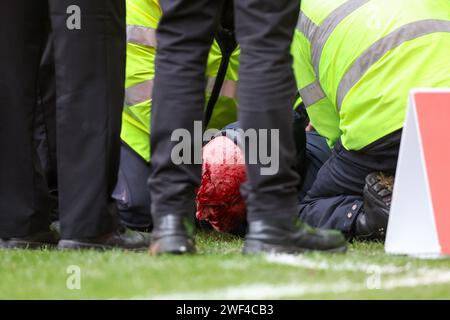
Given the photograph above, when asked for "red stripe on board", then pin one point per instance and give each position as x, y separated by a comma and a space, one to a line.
433, 111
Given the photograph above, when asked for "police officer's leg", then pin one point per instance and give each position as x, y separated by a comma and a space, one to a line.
46, 120
23, 193
45, 131
185, 34
336, 197
130, 193
89, 44
266, 95
317, 152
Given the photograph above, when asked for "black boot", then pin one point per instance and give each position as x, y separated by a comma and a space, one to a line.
39, 240
372, 222
173, 234
122, 238
277, 235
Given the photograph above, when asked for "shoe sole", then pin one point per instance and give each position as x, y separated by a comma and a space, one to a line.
256, 247
172, 245
76, 245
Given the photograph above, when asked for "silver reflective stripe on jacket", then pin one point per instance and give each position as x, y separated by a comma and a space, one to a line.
377, 50
141, 35
312, 93
318, 36
321, 35
306, 26
143, 91
139, 93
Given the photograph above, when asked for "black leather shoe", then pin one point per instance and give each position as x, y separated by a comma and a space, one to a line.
292, 237
122, 238
36, 241
372, 222
173, 234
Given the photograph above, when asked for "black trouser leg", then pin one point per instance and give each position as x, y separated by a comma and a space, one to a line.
90, 69
45, 133
266, 94
23, 193
185, 35
336, 197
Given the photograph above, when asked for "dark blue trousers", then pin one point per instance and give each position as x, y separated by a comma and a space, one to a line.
336, 197
131, 193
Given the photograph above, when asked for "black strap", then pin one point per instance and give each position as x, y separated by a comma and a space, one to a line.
226, 40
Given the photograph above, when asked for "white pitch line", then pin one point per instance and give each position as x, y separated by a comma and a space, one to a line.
268, 291
257, 291
415, 278
431, 277
308, 263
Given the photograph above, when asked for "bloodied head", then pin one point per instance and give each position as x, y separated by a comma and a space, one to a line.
218, 199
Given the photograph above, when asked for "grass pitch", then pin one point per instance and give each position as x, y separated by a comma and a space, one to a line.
219, 271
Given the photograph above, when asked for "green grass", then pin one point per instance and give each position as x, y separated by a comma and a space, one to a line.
217, 270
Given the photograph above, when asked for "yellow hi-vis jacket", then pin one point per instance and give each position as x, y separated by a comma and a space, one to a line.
357, 60
142, 19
